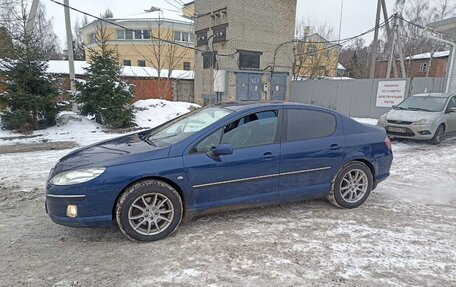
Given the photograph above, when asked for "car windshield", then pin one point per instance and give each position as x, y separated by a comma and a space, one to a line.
426, 104
185, 126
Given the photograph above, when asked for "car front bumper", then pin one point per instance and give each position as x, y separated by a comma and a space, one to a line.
93, 209
416, 132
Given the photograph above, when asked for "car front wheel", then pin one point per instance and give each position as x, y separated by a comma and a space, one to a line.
352, 185
438, 136
149, 210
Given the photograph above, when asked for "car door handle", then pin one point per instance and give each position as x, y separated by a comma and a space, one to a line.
335, 147
269, 155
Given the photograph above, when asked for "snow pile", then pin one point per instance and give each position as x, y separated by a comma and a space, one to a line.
152, 113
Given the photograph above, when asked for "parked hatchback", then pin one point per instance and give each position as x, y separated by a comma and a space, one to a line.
422, 117
218, 158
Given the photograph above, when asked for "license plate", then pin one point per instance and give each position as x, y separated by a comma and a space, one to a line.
398, 130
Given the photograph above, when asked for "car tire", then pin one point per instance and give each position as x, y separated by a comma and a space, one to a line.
438, 136
149, 210
352, 186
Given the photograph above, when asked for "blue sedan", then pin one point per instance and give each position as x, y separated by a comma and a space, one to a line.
227, 156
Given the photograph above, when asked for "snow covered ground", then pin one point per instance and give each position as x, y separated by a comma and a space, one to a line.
403, 235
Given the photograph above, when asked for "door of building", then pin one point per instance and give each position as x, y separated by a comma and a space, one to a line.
248, 86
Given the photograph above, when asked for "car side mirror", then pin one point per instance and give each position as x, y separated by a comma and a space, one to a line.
223, 149
452, 110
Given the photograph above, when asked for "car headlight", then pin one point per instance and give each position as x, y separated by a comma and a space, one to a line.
76, 176
382, 119
425, 122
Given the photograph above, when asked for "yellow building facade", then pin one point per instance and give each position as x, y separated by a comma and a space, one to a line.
148, 40
315, 57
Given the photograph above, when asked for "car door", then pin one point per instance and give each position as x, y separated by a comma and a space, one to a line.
311, 151
451, 116
249, 174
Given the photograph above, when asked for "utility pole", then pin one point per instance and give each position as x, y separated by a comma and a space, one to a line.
341, 16
69, 36
393, 46
400, 48
390, 35
375, 43
32, 16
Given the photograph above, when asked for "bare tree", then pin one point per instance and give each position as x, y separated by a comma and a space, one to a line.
355, 59
164, 56
14, 18
315, 54
78, 41
107, 14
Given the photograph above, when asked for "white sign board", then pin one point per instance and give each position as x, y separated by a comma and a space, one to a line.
390, 93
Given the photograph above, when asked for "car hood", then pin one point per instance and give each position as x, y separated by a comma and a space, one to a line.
410, 116
122, 150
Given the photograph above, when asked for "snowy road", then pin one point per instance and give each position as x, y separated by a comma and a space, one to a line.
405, 234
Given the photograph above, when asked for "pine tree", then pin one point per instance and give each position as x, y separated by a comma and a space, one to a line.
30, 94
104, 95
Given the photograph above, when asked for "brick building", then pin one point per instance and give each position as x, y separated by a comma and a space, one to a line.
419, 65
237, 41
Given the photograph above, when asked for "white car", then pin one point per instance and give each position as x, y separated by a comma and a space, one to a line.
422, 117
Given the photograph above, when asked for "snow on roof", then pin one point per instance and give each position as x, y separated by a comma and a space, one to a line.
422, 56
340, 66
163, 14
62, 67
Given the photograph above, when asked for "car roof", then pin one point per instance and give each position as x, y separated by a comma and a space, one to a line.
245, 105
438, 95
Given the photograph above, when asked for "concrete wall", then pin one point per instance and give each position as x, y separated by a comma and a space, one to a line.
356, 98
255, 25
453, 77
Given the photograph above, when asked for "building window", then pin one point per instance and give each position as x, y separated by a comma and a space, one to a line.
127, 62
219, 33
120, 34
138, 34
311, 51
424, 67
129, 34
201, 37
209, 60
181, 36
141, 63
146, 34
92, 38
187, 66
249, 60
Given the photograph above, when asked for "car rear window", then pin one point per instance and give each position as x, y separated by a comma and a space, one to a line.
308, 124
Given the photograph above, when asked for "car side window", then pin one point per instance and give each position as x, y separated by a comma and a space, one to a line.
305, 124
452, 103
208, 143
252, 130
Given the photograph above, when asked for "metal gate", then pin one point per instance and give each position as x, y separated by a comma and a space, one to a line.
248, 86
278, 87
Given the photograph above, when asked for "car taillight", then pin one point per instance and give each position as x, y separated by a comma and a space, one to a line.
388, 143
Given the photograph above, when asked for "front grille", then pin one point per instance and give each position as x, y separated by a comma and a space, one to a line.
400, 122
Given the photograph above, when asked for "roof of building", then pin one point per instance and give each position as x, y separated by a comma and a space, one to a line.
340, 66
163, 14
439, 54
62, 67
445, 26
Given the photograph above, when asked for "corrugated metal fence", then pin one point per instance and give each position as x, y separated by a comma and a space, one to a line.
356, 98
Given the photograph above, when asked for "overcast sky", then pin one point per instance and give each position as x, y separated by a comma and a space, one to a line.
358, 15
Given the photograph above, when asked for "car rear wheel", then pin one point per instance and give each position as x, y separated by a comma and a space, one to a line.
438, 136
352, 185
149, 210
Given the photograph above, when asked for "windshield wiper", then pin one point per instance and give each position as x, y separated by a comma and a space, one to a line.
145, 139
420, 109
400, 108
162, 138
